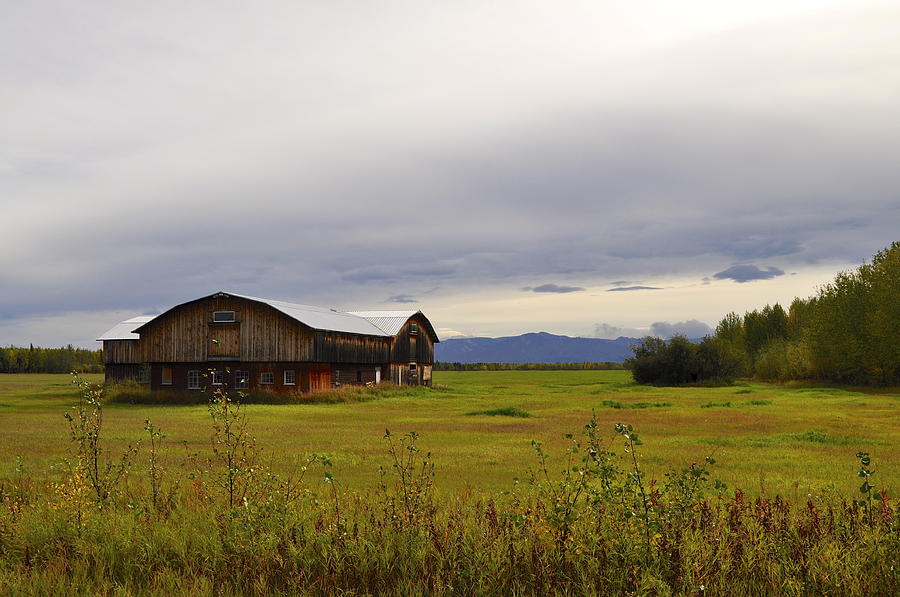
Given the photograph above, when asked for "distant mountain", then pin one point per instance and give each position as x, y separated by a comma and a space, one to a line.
538, 347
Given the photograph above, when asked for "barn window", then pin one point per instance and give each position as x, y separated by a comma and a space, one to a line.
144, 374
413, 328
216, 377
194, 379
242, 380
289, 377
166, 376
223, 316
412, 367
267, 378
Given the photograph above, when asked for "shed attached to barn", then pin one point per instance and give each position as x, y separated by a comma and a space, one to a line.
251, 343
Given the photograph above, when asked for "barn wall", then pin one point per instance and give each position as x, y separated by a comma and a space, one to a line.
336, 347
188, 334
116, 372
413, 348
121, 351
354, 374
309, 377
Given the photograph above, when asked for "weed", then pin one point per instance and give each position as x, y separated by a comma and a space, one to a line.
867, 489
88, 463
413, 478
233, 446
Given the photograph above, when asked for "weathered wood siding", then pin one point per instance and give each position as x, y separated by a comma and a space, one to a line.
413, 348
353, 374
121, 372
259, 333
336, 347
121, 352
309, 377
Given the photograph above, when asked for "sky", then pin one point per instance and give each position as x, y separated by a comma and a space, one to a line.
586, 168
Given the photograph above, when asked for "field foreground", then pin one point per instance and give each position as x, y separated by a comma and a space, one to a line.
321, 502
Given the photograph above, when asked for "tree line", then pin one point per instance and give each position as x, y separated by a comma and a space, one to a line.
848, 332
34, 359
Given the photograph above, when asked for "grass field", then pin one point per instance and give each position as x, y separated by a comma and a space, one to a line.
592, 525
792, 441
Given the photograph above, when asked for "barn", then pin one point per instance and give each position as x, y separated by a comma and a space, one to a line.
255, 344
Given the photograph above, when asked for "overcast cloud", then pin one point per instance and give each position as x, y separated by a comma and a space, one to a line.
748, 273
338, 154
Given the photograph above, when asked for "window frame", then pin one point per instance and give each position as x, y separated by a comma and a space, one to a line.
193, 373
215, 318
264, 375
242, 380
216, 377
144, 374
284, 377
162, 375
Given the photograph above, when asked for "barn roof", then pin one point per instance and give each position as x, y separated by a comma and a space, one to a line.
389, 321
123, 329
320, 318
369, 323
393, 321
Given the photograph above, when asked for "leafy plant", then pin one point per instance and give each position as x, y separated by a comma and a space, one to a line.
867, 489
89, 462
234, 448
413, 478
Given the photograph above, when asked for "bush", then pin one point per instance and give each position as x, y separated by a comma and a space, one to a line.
680, 361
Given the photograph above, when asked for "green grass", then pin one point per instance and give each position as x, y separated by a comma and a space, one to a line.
750, 442
372, 517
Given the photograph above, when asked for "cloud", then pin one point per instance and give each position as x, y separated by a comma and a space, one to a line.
553, 288
691, 328
627, 288
445, 333
611, 332
486, 178
748, 273
402, 298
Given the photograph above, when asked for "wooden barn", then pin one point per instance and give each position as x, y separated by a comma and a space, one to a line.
250, 343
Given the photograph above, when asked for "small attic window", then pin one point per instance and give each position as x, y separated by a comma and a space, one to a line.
413, 328
223, 316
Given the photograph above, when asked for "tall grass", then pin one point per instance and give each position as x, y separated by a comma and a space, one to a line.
585, 526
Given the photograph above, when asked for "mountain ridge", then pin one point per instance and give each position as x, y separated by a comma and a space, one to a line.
533, 347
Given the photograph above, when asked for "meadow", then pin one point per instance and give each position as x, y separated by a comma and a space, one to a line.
791, 441
514, 482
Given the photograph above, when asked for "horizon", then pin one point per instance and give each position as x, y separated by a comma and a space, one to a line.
600, 171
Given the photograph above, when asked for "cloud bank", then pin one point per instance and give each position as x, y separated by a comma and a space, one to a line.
553, 288
748, 273
629, 288
328, 155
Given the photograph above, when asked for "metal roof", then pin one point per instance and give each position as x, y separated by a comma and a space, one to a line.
320, 318
369, 323
389, 321
123, 329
